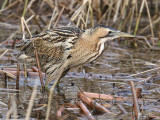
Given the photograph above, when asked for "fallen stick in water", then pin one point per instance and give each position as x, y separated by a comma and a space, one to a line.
103, 96
14, 69
91, 103
85, 110
135, 101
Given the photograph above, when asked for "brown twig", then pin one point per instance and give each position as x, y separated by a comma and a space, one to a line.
17, 78
122, 109
138, 92
59, 16
14, 69
103, 96
4, 53
34, 69
85, 110
149, 17
135, 101
92, 103
39, 70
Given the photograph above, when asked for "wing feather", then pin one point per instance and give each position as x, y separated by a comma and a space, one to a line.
53, 46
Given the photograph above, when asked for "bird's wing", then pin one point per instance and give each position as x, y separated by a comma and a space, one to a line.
53, 46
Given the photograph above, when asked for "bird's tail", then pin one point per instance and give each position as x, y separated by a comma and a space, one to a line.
23, 45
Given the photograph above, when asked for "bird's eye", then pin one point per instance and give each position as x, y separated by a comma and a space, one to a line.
110, 32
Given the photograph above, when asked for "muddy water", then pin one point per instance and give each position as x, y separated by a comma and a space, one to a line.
108, 75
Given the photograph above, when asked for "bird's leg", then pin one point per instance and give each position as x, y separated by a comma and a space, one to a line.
58, 83
58, 87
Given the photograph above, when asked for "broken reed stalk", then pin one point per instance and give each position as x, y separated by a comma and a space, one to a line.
148, 26
149, 17
110, 10
85, 110
36, 54
103, 96
121, 108
4, 4
39, 69
144, 72
17, 80
91, 13
135, 101
139, 16
10, 5
50, 3
138, 92
4, 53
54, 15
92, 103
14, 69
118, 3
126, 20
59, 16
34, 69
25, 23
143, 37
156, 6
25, 8
131, 19
70, 105
80, 13
86, 21
22, 28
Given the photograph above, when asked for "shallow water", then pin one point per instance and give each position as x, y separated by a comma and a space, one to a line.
108, 75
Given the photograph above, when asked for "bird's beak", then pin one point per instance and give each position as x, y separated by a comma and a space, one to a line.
121, 34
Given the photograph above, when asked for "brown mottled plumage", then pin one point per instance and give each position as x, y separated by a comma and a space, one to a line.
67, 45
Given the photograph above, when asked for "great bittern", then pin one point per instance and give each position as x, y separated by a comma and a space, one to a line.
63, 48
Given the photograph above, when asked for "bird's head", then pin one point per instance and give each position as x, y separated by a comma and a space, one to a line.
105, 33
